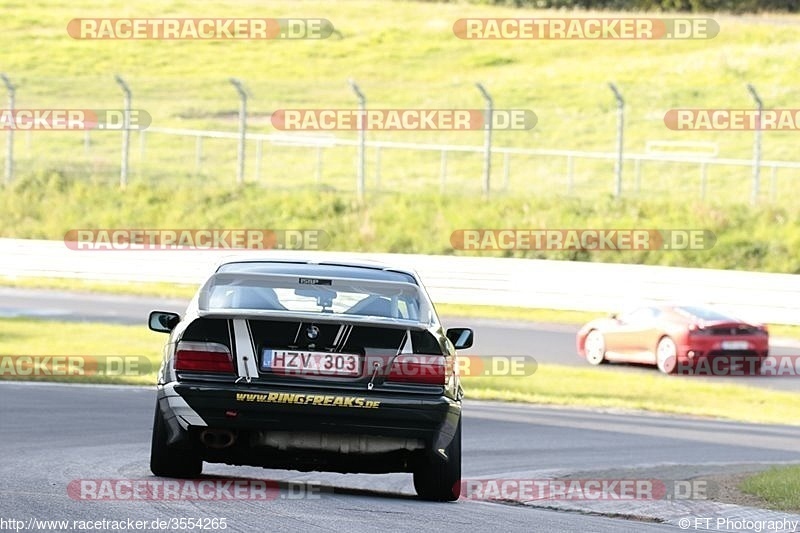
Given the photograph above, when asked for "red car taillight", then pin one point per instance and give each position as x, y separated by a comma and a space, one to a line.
203, 357
423, 369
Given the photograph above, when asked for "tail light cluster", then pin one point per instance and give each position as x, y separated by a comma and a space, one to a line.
203, 357
698, 330
420, 369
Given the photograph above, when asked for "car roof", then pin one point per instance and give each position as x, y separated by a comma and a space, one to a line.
370, 270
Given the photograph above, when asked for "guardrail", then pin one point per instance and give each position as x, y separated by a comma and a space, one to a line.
529, 283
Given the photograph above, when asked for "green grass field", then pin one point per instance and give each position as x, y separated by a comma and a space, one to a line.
98, 353
609, 388
403, 54
778, 486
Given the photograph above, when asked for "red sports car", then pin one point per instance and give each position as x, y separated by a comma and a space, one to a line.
673, 337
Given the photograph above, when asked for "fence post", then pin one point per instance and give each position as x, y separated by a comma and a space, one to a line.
756, 146
487, 139
9, 175
362, 139
242, 128
126, 132
620, 131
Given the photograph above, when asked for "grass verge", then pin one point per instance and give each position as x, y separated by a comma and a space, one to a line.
607, 388
551, 384
779, 487
761, 239
98, 353
164, 290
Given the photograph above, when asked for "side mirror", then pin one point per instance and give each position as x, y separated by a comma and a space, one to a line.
460, 337
163, 321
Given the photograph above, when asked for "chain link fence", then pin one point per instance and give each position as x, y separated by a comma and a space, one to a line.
586, 141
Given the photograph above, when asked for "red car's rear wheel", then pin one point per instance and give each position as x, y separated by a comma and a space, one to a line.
666, 355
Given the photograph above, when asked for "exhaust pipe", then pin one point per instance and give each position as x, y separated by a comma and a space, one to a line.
217, 438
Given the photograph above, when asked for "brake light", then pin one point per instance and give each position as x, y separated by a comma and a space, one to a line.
203, 357
422, 369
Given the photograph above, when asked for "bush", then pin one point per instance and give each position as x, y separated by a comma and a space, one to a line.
685, 6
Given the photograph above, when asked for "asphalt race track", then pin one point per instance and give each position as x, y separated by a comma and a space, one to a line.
55, 434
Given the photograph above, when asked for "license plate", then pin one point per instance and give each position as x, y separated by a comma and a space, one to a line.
735, 345
302, 363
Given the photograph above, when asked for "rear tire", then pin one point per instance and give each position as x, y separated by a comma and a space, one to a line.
438, 479
171, 462
667, 355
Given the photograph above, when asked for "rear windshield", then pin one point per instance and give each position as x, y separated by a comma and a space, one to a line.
356, 297
703, 313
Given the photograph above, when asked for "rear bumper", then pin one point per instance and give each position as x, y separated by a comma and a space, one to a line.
701, 349
710, 359
257, 415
